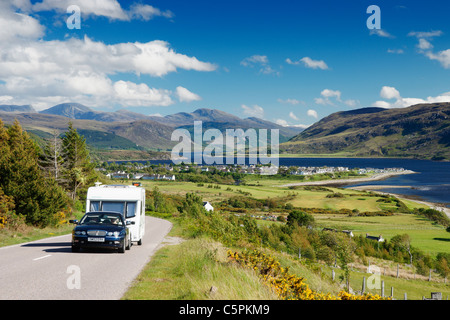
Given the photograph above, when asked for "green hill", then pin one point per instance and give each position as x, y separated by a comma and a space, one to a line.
420, 131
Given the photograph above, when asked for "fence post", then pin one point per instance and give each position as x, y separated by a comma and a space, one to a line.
397, 271
363, 285
406, 296
333, 275
382, 288
392, 292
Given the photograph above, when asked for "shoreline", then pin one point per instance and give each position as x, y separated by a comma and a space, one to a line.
374, 188
375, 177
432, 205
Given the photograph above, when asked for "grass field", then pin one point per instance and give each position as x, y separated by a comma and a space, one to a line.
425, 235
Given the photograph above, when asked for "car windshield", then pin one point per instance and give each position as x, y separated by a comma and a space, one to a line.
102, 218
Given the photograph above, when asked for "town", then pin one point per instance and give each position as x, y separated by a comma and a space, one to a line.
147, 171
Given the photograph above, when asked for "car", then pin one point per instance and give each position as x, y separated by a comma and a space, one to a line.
101, 230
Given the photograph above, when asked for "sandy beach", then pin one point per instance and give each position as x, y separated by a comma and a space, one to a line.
380, 176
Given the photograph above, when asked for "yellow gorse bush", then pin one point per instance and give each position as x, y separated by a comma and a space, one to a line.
287, 286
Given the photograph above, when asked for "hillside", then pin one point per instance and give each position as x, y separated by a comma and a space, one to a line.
420, 131
127, 131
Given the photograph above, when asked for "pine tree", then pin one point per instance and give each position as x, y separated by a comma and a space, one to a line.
38, 199
78, 171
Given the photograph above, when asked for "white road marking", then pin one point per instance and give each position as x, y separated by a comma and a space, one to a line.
43, 257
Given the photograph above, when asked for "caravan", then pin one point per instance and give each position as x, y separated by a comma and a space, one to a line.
127, 200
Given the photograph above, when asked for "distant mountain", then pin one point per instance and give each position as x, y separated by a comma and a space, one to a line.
420, 131
79, 111
127, 130
16, 108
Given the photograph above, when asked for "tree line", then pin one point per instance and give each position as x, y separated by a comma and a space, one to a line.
40, 186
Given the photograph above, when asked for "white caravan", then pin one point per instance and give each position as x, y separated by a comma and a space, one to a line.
128, 200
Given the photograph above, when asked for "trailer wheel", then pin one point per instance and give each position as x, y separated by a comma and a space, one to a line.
139, 242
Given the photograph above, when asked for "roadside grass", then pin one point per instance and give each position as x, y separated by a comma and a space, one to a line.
196, 269
27, 233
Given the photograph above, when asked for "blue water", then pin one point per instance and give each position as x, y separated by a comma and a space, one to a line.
430, 183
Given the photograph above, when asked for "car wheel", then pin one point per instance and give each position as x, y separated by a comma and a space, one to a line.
123, 247
139, 242
128, 247
75, 249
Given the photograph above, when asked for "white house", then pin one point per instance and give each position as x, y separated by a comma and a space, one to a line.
208, 206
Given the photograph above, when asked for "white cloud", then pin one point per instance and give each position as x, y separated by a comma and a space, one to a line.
17, 26
106, 8
45, 72
442, 56
381, 33
110, 9
290, 101
312, 113
261, 62
147, 12
184, 95
255, 59
426, 35
424, 44
400, 102
309, 63
327, 93
293, 116
140, 94
282, 122
253, 111
396, 51
389, 93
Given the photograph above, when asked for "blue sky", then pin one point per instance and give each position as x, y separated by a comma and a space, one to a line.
291, 62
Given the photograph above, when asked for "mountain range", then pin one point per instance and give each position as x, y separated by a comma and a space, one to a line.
128, 130
420, 131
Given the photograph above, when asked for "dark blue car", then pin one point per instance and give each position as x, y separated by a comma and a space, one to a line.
101, 230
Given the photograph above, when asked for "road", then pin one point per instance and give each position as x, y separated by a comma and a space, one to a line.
48, 270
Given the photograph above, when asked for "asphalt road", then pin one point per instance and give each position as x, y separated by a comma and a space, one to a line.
47, 269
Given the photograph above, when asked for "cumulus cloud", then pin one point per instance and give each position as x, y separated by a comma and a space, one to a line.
293, 116
110, 9
261, 62
312, 113
184, 95
391, 93
425, 47
45, 72
253, 111
309, 63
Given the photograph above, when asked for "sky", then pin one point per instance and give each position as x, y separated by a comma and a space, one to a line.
290, 62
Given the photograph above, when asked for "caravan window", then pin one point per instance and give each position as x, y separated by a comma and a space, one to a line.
113, 206
131, 209
95, 206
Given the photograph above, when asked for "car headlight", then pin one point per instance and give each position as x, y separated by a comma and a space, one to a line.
80, 233
114, 234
